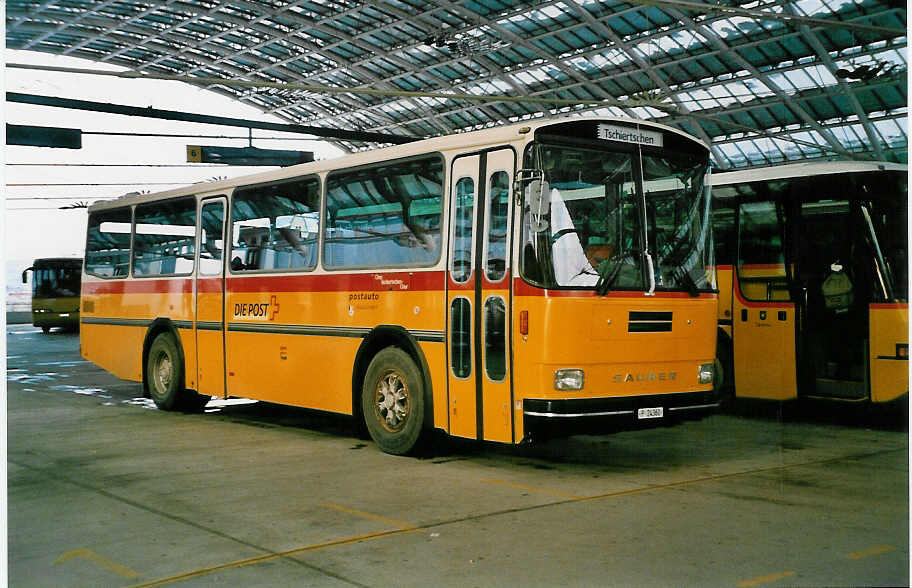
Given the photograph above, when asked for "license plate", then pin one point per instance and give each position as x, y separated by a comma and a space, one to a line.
650, 413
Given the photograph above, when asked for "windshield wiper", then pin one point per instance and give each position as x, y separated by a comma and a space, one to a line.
690, 284
607, 277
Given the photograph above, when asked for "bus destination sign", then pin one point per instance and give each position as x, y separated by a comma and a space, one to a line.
628, 135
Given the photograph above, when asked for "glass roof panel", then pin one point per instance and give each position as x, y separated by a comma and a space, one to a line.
828, 74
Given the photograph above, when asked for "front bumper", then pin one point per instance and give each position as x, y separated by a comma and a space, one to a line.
610, 414
55, 319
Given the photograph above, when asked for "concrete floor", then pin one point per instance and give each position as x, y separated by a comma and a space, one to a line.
105, 490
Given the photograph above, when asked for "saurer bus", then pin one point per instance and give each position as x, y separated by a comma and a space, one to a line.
813, 281
487, 284
55, 292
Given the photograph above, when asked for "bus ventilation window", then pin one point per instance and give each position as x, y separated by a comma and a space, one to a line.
649, 322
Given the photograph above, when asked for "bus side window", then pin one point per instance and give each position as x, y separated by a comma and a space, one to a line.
165, 237
761, 257
108, 243
276, 226
384, 215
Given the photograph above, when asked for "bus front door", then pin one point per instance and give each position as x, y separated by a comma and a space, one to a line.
210, 299
764, 319
478, 297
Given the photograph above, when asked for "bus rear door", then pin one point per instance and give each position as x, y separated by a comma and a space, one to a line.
210, 298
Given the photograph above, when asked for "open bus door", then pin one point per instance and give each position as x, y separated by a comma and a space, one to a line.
764, 318
834, 317
845, 280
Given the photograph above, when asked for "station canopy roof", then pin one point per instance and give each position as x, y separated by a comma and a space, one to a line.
763, 82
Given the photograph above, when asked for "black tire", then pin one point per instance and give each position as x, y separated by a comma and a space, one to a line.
165, 378
392, 401
723, 381
165, 373
45, 330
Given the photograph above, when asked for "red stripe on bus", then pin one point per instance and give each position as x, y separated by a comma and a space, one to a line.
379, 281
142, 286
468, 285
209, 285
889, 305
762, 266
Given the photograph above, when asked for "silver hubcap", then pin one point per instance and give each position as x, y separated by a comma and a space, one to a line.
163, 372
392, 401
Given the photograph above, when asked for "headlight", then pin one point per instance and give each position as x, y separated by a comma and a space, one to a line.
569, 379
706, 373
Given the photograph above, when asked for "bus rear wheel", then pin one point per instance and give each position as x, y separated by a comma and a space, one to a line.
165, 377
392, 401
164, 372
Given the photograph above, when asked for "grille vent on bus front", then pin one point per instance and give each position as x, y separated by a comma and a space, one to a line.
649, 322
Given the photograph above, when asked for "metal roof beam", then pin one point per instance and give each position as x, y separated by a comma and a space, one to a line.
203, 118
625, 74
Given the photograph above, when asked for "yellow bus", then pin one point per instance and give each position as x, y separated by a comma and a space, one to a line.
813, 281
486, 284
55, 292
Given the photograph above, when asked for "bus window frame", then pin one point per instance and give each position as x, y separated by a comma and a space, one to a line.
639, 201
444, 216
229, 225
129, 272
452, 233
176, 199
488, 225
781, 203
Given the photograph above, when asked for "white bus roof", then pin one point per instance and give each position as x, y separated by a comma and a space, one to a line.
798, 170
499, 135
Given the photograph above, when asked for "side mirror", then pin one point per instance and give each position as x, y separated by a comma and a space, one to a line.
538, 196
521, 179
25, 275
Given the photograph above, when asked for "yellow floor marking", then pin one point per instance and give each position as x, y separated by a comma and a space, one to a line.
764, 580
368, 515
533, 488
98, 560
268, 557
570, 498
869, 552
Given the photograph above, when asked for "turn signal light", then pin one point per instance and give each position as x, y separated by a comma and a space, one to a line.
524, 322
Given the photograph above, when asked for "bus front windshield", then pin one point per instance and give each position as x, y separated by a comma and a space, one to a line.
55, 282
600, 219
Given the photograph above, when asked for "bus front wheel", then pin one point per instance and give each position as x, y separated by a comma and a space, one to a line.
392, 401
